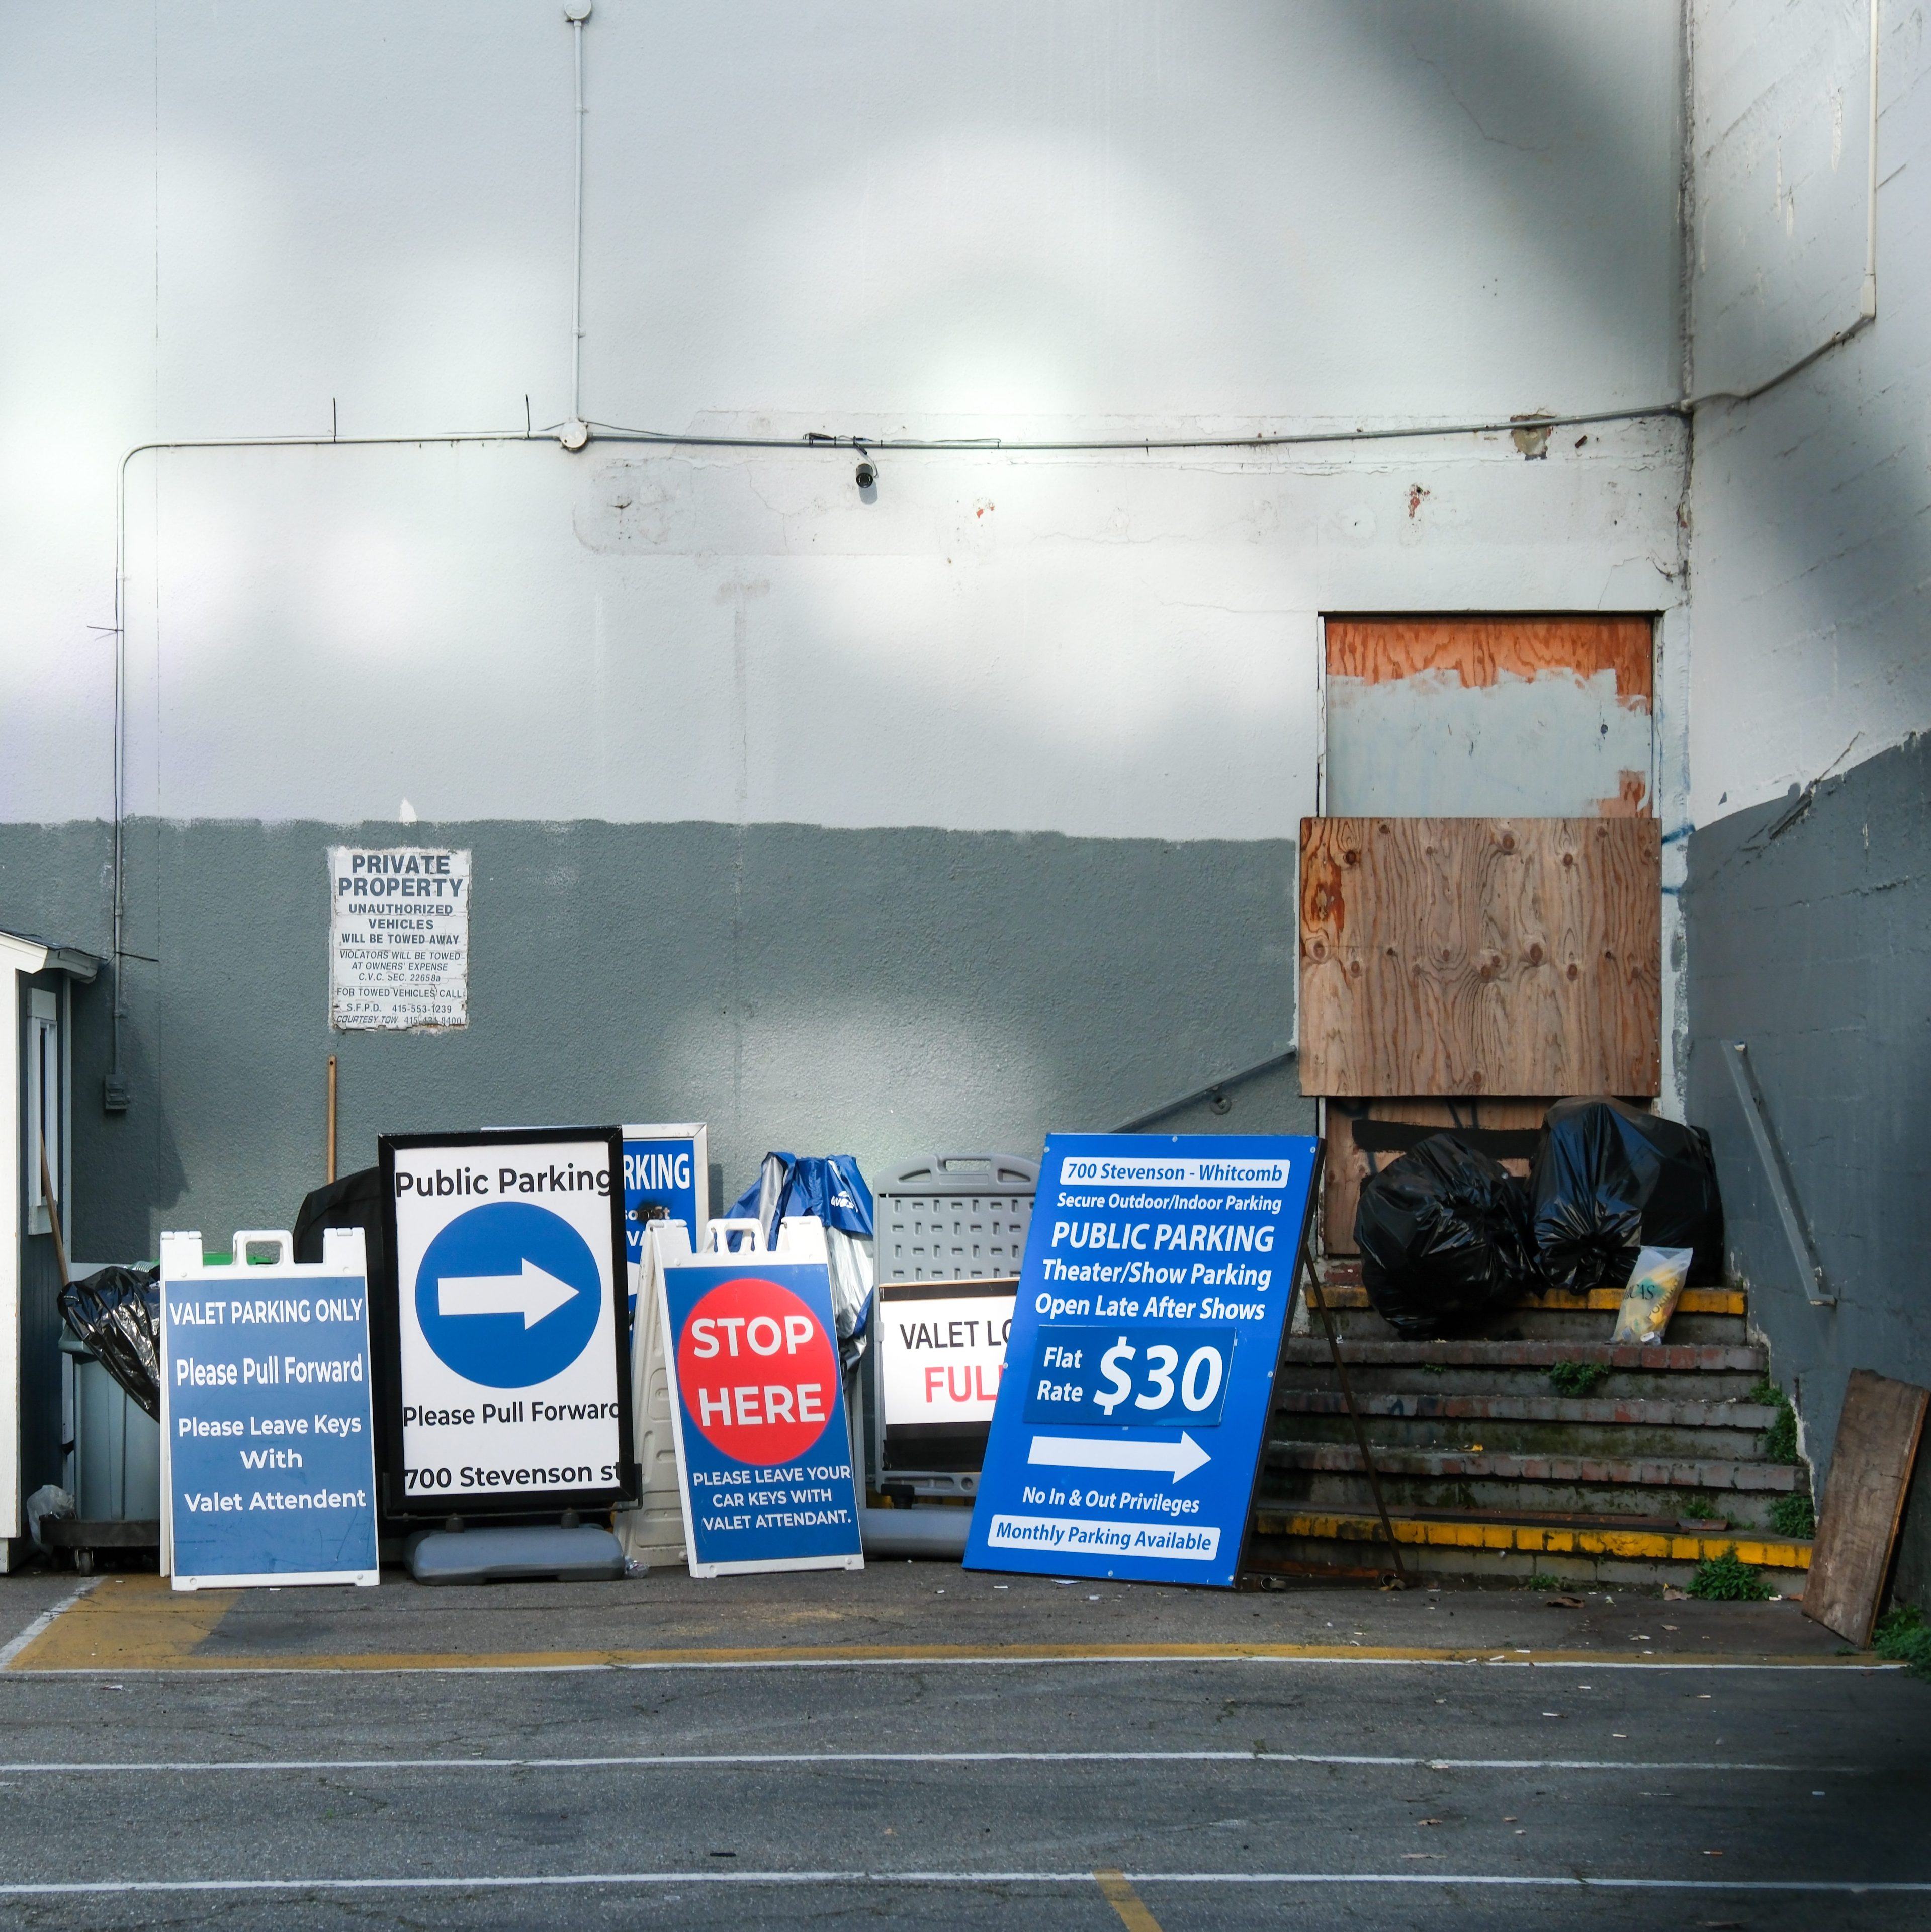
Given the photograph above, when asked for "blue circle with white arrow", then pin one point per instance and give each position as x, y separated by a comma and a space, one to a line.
508, 1295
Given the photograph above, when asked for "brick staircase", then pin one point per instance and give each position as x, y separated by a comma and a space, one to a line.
1489, 1471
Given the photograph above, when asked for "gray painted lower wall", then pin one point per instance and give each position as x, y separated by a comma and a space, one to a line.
885, 993
1809, 925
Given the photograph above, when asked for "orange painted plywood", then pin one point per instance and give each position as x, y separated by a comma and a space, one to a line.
1482, 650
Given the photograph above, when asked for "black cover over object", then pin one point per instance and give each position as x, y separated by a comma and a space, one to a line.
356, 1200
1608, 1180
117, 1312
1445, 1238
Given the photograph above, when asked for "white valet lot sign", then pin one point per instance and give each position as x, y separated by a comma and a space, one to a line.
509, 1329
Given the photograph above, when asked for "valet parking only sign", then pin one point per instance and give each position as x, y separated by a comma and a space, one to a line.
268, 1469
1158, 1277
509, 1329
762, 1444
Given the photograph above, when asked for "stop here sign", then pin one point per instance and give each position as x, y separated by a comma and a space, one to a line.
758, 1371
763, 1450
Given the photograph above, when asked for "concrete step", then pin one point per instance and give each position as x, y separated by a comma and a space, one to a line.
1389, 1419
1707, 1372
1576, 1412
1535, 1324
1656, 1358
1493, 1477
1579, 1550
1340, 1294
1525, 1380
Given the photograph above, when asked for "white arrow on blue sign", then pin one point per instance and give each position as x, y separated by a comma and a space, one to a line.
1078, 1452
534, 1293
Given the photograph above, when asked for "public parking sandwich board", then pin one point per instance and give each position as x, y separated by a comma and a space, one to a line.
1153, 1301
268, 1454
666, 1176
508, 1329
763, 1448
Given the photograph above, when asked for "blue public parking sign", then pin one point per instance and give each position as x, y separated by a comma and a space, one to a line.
1153, 1300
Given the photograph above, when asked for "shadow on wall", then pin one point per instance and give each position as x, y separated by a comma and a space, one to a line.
127, 1169
1809, 937
793, 986
1519, 73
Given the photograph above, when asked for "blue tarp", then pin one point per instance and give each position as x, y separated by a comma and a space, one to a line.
830, 1187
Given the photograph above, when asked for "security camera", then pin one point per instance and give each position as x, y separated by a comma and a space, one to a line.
867, 475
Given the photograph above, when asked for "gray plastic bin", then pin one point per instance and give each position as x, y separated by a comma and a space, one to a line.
943, 1218
954, 1217
116, 1468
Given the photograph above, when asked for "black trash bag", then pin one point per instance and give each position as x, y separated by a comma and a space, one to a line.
356, 1200
1445, 1238
117, 1312
1609, 1181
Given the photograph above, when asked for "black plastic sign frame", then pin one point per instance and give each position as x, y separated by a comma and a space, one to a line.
398, 1501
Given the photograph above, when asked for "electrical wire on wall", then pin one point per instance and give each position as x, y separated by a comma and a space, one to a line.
577, 433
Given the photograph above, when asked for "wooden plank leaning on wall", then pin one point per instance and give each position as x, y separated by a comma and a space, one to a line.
1877, 1438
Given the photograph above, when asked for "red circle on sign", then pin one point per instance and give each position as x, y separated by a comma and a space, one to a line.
757, 1372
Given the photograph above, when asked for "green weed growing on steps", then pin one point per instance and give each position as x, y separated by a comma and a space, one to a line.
1698, 1509
1793, 1515
1578, 1377
1542, 1580
1727, 1579
1780, 1439
1904, 1637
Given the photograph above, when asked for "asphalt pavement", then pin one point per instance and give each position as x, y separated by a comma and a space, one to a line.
917, 1745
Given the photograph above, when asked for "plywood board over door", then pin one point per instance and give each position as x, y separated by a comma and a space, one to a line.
1472, 956
1536, 714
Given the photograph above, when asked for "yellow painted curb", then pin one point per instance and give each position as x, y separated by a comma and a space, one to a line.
1563, 1301
1536, 1539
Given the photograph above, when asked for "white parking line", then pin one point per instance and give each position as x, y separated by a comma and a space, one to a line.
759, 1760
1552, 1881
10, 1652
428, 1668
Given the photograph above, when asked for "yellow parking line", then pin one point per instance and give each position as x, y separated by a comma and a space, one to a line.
1124, 1901
138, 1624
127, 1623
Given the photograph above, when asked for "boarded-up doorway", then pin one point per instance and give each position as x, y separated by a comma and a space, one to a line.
1512, 718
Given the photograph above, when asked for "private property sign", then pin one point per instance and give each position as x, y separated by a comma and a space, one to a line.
398, 938
1152, 1303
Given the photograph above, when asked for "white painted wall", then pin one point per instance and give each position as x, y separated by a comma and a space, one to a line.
988, 220
1781, 114
1811, 506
